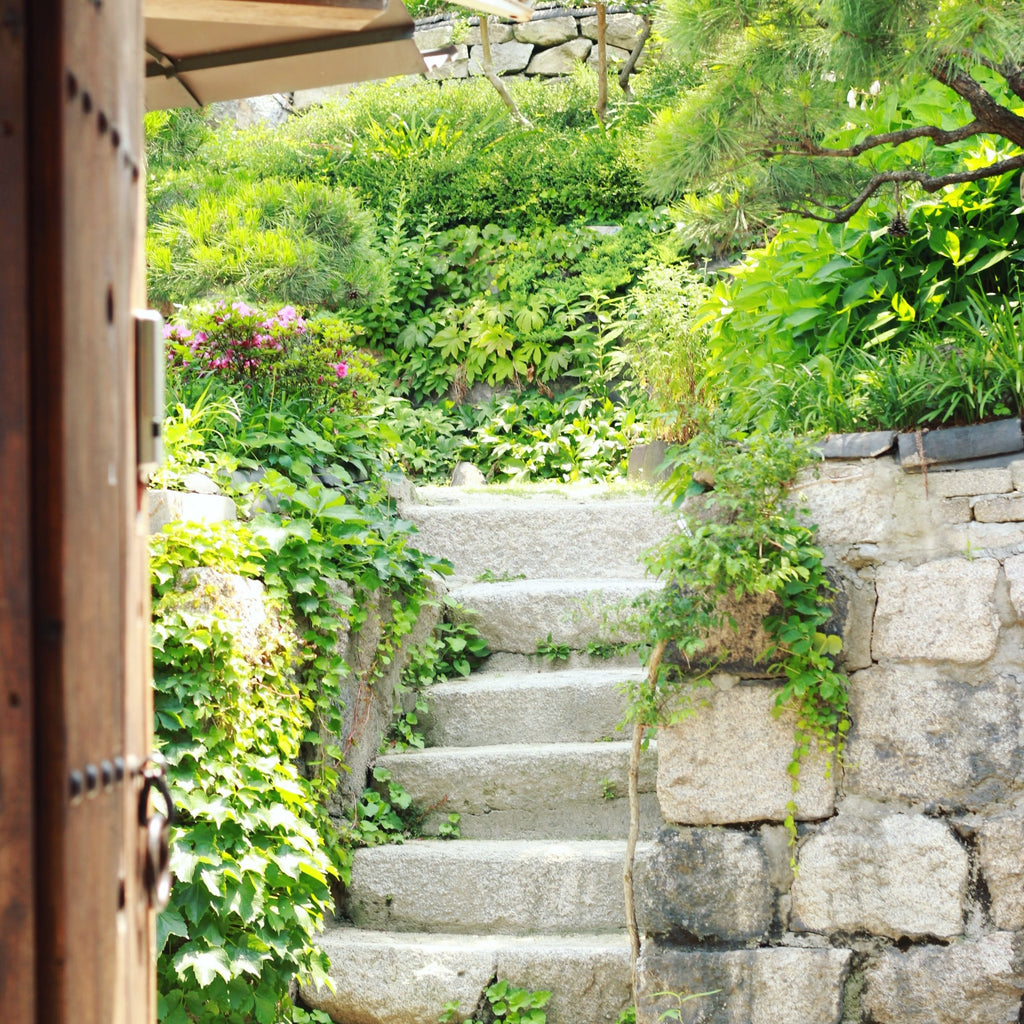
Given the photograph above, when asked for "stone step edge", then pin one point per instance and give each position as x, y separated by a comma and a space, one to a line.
556, 940
491, 749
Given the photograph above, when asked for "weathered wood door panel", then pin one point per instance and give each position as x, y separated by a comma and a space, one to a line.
17, 863
93, 949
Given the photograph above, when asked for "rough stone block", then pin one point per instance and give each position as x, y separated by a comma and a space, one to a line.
1014, 569
184, 507
1001, 857
497, 32
700, 784
237, 599
987, 540
614, 55
1017, 474
895, 874
434, 37
505, 57
457, 67
705, 883
559, 60
969, 482
547, 31
751, 986
621, 30
923, 739
956, 511
940, 611
851, 503
978, 982
856, 630
1007, 508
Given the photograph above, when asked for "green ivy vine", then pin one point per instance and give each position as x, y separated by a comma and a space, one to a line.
741, 537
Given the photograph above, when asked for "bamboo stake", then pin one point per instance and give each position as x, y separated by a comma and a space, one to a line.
653, 668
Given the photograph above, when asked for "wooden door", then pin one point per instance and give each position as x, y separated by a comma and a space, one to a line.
74, 619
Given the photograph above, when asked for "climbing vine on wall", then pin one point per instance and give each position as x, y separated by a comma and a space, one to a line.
741, 537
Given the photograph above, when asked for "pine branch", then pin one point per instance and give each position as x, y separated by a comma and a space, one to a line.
940, 136
998, 120
928, 182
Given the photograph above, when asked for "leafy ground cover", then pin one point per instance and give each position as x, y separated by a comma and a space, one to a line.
410, 280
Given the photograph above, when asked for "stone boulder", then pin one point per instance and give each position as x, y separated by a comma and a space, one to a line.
728, 763
976, 982
743, 986
547, 31
900, 875
559, 61
506, 58
708, 883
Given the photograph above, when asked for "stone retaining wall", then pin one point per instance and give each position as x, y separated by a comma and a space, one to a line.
907, 906
550, 45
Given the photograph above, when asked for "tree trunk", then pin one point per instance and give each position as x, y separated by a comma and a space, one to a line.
602, 61
630, 65
499, 85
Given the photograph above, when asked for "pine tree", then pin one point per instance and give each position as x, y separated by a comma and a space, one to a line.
813, 106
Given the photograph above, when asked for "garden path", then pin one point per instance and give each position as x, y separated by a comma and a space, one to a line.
528, 752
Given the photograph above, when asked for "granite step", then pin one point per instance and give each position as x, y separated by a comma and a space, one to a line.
528, 791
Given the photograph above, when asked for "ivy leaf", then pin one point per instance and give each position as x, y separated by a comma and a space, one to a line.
169, 922
206, 966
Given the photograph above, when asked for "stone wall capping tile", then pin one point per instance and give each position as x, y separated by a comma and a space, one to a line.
955, 444
867, 445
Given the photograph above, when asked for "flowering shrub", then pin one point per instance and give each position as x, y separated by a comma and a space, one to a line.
269, 357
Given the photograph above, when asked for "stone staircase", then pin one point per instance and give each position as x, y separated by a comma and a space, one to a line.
526, 751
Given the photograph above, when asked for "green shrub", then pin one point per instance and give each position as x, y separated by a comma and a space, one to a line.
835, 327
263, 358
668, 350
270, 240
